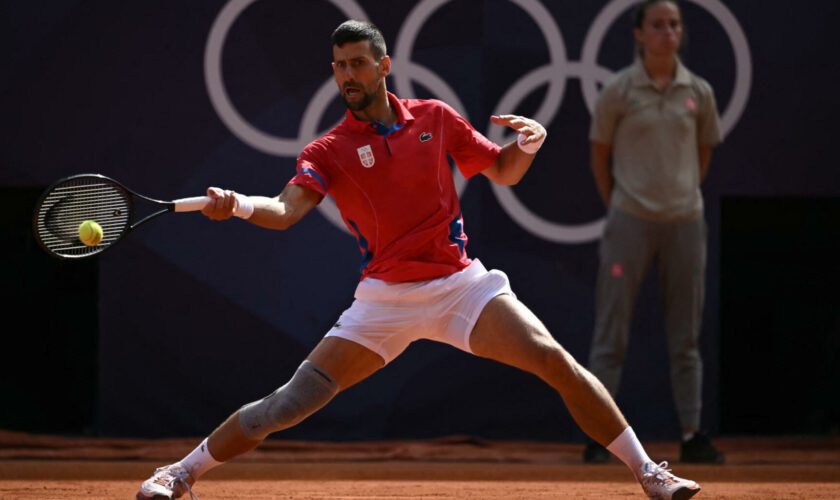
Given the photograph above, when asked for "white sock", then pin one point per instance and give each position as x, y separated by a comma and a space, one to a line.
629, 450
199, 461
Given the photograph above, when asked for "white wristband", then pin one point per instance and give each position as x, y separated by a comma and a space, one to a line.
244, 206
532, 147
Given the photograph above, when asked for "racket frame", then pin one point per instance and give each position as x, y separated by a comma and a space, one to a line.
130, 195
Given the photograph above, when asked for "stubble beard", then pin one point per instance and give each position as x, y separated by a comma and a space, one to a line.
360, 104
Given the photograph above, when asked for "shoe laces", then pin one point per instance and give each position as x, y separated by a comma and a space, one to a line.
172, 478
658, 473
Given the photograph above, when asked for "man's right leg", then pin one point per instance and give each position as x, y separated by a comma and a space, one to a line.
334, 365
344, 362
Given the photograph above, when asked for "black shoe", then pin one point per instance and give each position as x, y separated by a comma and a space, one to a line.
594, 453
699, 450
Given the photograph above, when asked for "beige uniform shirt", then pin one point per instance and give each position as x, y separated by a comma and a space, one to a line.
654, 136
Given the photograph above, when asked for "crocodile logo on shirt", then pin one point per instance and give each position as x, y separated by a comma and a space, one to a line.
425, 136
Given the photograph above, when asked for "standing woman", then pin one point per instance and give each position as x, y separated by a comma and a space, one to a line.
652, 135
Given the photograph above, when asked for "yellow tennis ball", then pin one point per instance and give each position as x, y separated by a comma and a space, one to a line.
90, 233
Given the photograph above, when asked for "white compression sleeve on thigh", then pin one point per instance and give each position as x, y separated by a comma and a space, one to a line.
629, 450
199, 461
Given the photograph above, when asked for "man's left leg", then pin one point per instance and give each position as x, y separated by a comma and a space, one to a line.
508, 332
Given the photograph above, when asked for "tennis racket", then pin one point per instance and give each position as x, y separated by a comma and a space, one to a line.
78, 198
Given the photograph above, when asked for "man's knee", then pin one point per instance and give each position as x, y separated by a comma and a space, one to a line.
307, 392
564, 367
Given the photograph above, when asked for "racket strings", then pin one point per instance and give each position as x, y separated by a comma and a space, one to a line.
69, 204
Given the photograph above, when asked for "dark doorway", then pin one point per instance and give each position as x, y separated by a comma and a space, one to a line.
780, 314
49, 331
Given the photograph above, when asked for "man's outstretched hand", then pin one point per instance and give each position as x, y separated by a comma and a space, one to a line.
533, 133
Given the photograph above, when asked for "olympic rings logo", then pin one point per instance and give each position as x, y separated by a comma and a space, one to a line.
555, 74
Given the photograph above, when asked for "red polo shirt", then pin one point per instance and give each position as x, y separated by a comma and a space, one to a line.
394, 187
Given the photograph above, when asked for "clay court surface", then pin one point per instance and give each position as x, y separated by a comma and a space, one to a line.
48, 467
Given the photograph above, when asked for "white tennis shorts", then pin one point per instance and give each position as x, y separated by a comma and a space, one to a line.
386, 317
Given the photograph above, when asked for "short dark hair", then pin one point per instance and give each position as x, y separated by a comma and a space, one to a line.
642, 7
358, 31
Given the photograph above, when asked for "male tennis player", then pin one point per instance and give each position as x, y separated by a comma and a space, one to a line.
386, 167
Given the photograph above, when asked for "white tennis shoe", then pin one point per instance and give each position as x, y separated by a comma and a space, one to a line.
167, 482
658, 482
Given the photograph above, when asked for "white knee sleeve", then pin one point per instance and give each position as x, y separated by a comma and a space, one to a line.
307, 392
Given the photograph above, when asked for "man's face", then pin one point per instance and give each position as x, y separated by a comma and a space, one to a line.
358, 75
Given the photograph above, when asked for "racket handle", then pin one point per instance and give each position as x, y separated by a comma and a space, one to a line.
244, 206
194, 204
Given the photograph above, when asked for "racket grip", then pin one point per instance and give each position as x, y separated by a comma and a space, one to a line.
244, 206
194, 204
